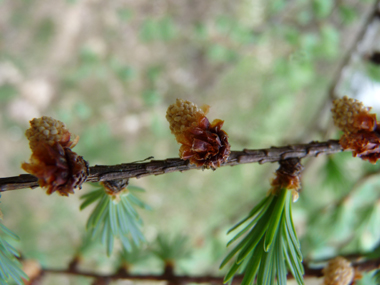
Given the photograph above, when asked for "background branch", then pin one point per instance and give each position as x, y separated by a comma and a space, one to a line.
367, 265
157, 167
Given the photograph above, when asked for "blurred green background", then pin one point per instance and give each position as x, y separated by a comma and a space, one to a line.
109, 70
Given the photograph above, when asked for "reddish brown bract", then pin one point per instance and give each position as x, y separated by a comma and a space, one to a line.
361, 130
364, 144
207, 146
53, 162
203, 143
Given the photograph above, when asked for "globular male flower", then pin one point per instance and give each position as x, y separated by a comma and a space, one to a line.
203, 143
53, 162
338, 271
361, 130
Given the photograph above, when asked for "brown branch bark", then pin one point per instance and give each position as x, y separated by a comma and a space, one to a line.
157, 167
175, 279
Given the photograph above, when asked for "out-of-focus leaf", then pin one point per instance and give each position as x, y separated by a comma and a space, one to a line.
168, 30
200, 30
224, 24
373, 71
304, 17
220, 54
134, 255
367, 279
271, 241
309, 42
149, 31
158, 29
329, 47
124, 14
153, 73
88, 56
376, 276
171, 248
151, 97
122, 71
335, 173
114, 216
9, 265
242, 35
277, 5
82, 110
45, 30
7, 93
368, 227
322, 8
342, 221
348, 14
292, 35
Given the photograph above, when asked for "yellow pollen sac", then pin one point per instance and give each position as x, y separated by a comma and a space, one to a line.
345, 110
46, 129
183, 114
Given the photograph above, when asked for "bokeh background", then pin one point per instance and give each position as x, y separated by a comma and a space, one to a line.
109, 70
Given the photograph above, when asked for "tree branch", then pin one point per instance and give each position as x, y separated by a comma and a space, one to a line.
157, 167
367, 265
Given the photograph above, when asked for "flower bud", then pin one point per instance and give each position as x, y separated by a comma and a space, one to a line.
351, 115
361, 132
338, 272
204, 144
53, 162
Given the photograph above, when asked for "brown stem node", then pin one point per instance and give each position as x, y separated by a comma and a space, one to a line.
288, 176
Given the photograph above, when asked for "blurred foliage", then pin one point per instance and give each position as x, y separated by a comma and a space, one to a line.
115, 216
7, 92
9, 264
133, 256
376, 276
270, 246
373, 71
109, 71
171, 248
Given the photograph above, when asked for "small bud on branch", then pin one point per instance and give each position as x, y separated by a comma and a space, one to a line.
288, 176
53, 162
203, 144
338, 271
